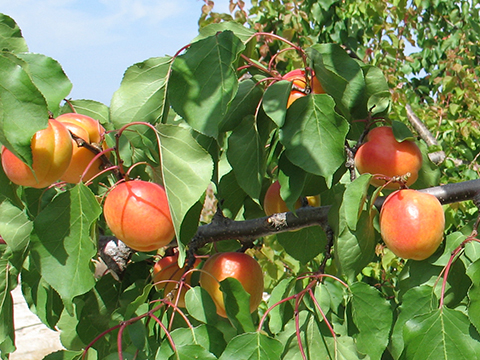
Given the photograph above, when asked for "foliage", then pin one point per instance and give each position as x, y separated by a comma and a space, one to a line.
211, 125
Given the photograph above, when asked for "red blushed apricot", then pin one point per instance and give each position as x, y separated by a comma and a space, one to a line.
412, 224
383, 155
51, 153
167, 269
236, 265
137, 212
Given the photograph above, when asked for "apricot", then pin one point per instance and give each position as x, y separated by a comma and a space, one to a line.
412, 224
299, 85
167, 269
236, 265
51, 154
92, 132
383, 155
273, 202
137, 212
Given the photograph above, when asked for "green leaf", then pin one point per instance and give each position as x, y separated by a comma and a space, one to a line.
239, 30
372, 315
15, 227
252, 346
249, 170
345, 83
63, 244
186, 171
7, 330
237, 304
401, 131
24, 110
440, 334
354, 234
278, 316
207, 337
8, 189
142, 93
203, 81
47, 74
231, 195
377, 90
200, 305
416, 301
243, 104
11, 38
191, 352
473, 272
314, 135
303, 244
275, 99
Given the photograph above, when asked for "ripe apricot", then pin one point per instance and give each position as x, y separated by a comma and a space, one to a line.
273, 202
412, 224
167, 269
51, 153
138, 213
92, 132
236, 265
382, 154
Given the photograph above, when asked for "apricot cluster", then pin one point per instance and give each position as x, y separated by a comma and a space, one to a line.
56, 156
273, 202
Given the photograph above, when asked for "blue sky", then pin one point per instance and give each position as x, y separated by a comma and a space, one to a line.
95, 41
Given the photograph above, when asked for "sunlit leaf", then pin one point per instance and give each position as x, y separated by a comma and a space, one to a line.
24, 110
48, 76
373, 326
203, 81
63, 244
314, 135
11, 38
252, 346
440, 334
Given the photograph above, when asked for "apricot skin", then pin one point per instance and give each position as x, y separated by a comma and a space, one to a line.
382, 154
137, 212
81, 157
51, 153
412, 224
237, 265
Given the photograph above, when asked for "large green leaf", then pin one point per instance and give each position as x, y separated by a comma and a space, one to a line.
63, 244
11, 38
187, 170
142, 93
15, 228
303, 244
341, 77
372, 315
47, 74
203, 81
440, 335
352, 224
237, 304
314, 135
246, 154
416, 301
473, 271
252, 346
275, 99
23, 109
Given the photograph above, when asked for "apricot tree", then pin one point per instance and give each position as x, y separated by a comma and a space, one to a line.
211, 125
